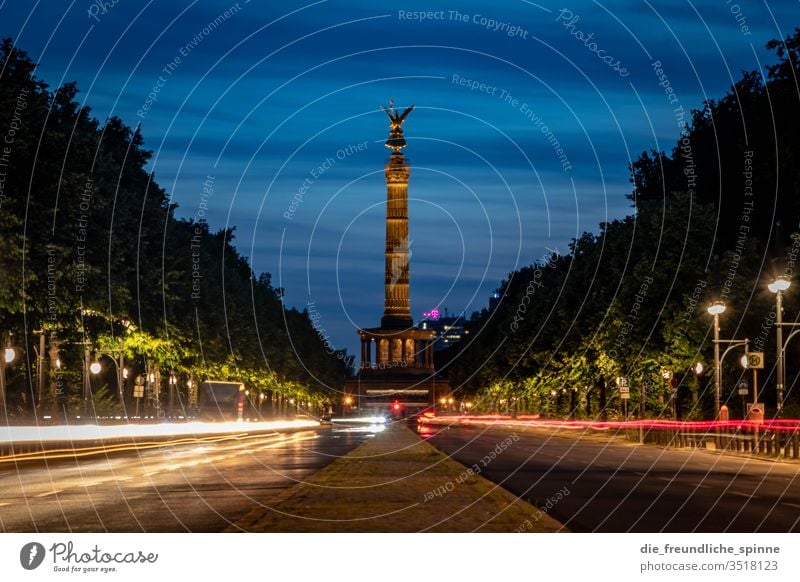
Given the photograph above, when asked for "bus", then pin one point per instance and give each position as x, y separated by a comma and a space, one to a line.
219, 401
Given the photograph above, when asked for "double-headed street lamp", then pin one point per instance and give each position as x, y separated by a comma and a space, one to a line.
716, 309
778, 286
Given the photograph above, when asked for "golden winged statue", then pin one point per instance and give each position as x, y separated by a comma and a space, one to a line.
396, 141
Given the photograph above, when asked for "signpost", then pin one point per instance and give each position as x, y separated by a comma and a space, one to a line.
138, 392
744, 390
624, 392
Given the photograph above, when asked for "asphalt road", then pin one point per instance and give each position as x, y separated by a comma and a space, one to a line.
620, 487
201, 487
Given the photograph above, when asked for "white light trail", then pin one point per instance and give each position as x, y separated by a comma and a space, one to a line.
89, 432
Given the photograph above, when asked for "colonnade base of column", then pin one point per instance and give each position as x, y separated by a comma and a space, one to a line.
383, 349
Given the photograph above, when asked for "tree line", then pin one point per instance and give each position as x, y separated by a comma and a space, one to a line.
94, 260
714, 219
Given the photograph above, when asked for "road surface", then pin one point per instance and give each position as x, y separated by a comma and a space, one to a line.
200, 487
621, 487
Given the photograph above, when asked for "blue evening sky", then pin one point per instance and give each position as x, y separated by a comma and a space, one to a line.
271, 98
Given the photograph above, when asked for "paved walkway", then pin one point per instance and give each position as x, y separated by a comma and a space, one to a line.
397, 482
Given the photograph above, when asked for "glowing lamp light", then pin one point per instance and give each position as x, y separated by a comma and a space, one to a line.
468, 405
58, 363
745, 362
717, 308
666, 374
779, 284
10, 354
125, 373
698, 368
95, 368
396, 406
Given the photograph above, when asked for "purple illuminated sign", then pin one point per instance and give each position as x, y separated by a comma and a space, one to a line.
433, 314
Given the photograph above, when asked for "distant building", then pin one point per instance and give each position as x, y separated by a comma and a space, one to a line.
449, 328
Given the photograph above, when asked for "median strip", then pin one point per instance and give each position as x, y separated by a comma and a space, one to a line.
396, 482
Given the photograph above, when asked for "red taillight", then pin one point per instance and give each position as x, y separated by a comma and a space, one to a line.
396, 406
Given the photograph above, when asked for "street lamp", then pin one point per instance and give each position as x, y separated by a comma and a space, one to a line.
8, 357
95, 368
716, 309
668, 375
778, 286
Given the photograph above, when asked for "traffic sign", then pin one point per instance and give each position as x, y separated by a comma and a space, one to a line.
743, 391
623, 382
753, 360
138, 391
624, 395
624, 390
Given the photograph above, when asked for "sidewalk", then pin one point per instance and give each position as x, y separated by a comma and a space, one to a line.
396, 482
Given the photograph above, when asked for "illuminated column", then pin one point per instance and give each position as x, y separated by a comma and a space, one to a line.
396, 309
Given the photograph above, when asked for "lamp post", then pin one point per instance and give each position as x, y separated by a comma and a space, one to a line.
778, 286
173, 385
668, 375
716, 309
8, 356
